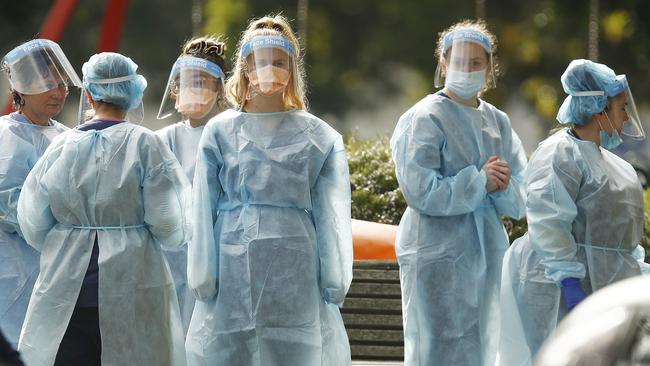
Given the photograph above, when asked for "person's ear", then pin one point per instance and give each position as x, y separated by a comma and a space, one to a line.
90, 100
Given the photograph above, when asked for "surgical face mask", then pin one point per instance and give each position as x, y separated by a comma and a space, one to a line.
269, 80
608, 141
465, 84
195, 102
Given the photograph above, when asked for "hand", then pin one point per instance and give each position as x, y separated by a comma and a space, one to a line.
498, 174
572, 292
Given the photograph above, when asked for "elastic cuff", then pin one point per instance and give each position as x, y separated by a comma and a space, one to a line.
332, 296
570, 282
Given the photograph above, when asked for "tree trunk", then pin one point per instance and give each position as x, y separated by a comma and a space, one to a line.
593, 30
197, 17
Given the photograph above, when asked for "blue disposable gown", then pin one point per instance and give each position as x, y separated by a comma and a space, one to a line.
585, 220
122, 186
271, 256
451, 239
183, 140
21, 144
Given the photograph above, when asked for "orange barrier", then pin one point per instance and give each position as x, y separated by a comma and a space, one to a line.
373, 241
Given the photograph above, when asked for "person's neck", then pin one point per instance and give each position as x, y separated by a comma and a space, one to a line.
104, 112
34, 118
197, 122
264, 104
471, 102
589, 131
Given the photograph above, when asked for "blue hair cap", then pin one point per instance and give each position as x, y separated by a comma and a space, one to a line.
111, 78
588, 84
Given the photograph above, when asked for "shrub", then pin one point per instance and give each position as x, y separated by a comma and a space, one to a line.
375, 193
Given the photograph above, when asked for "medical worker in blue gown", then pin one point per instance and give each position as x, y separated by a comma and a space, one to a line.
39, 75
195, 93
459, 165
99, 206
584, 210
271, 257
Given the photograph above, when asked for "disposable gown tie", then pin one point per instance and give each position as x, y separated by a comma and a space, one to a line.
585, 220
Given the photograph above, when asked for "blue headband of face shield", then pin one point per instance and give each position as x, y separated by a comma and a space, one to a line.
191, 62
466, 35
27, 48
265, 42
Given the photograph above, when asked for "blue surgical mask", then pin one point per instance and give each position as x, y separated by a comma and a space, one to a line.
608, 141
465, 84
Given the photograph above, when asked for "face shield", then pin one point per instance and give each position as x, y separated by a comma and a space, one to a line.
466, 58
135, 114
38, 66
632, 126
269, 61
192, 89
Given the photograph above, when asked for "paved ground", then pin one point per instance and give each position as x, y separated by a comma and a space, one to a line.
377, 363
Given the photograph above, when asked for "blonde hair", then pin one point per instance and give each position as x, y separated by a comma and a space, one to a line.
213, 49
475, 25
238, 84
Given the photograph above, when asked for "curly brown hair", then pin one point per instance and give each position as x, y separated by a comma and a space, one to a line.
208, 48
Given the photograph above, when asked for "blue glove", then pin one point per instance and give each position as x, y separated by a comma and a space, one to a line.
572, 292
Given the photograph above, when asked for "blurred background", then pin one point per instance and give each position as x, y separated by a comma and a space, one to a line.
368, 61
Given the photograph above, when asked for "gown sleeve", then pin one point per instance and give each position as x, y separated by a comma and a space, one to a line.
166, 197
331, 210
14, 168
553, 185
417, 148
34, 213
203, 255
512, 200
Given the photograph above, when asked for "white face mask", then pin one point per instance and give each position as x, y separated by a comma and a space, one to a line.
465, 84
269, 80
195, 102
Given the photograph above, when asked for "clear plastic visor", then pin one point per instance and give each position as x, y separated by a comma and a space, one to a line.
269, 68
621, 107
465, 56
268, 61
38, 66
633, 126
192, 89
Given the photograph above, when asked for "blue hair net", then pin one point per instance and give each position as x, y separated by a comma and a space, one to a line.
110, 77
584, 76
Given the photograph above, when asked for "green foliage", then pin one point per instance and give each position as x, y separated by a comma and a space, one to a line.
375, 193
645, 241
515, 228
